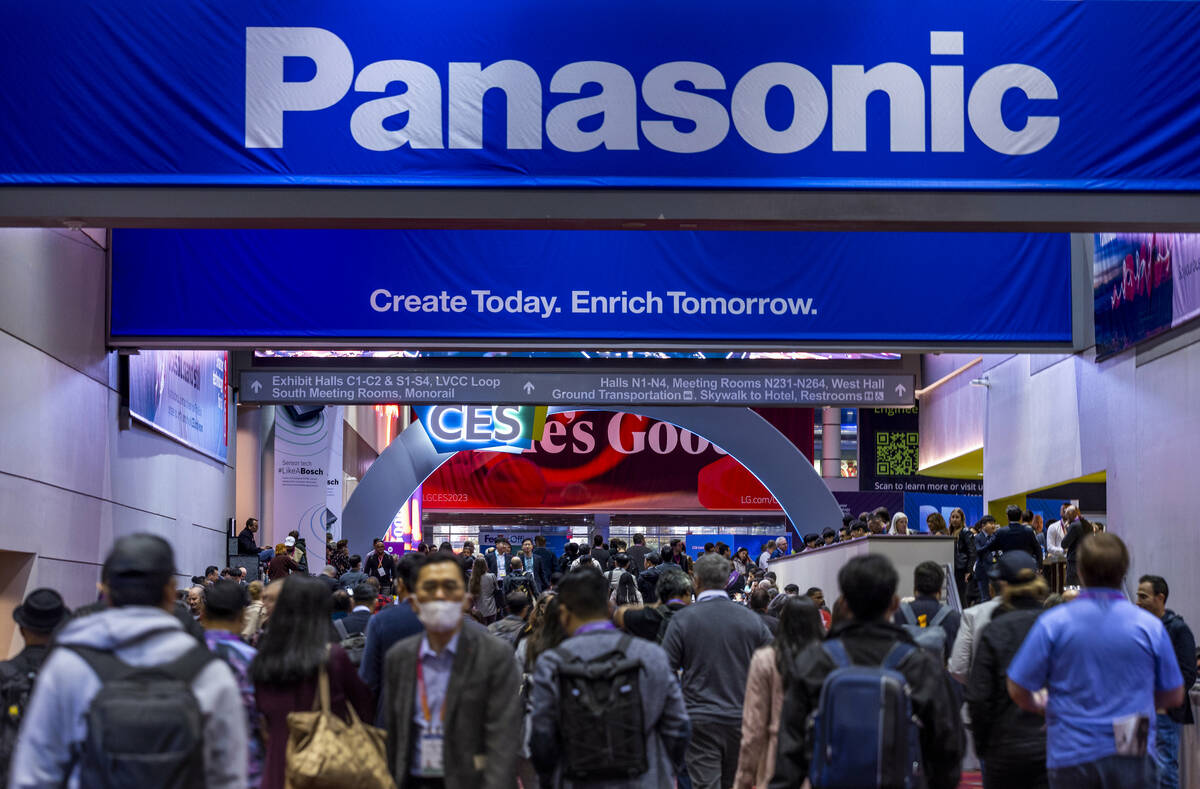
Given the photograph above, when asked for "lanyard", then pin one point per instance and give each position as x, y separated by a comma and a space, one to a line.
425, 699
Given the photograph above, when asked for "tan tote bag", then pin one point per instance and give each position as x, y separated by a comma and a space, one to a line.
325, 752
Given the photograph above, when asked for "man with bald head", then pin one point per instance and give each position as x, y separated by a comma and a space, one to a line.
1057, 530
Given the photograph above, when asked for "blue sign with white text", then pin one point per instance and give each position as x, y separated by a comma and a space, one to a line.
590, 285
930, 94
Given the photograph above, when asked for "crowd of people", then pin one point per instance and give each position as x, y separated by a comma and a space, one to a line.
610, 665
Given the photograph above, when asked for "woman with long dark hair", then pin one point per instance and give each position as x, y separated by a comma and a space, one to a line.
742, 561
964, 550
483, 591
626, 592
544, 632
771, 670
293, 651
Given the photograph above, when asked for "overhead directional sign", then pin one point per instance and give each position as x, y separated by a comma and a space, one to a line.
766, 388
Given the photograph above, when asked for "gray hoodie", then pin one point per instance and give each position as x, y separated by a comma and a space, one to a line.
54, 722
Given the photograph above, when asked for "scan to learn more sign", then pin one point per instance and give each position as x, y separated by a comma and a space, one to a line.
888, 442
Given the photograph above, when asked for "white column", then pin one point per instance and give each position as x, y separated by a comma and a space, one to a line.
831, 443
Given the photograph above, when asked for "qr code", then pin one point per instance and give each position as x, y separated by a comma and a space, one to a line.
896, 454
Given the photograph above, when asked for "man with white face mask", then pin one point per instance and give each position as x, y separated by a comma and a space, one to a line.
453, 711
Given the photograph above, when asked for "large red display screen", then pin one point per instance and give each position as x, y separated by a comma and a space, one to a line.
596, 459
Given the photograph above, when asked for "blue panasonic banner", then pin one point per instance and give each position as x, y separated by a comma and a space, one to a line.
308, 285
989, 94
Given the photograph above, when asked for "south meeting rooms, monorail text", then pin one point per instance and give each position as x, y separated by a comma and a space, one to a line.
339, 388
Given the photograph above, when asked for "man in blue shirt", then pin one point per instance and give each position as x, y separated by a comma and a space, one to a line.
1107, 665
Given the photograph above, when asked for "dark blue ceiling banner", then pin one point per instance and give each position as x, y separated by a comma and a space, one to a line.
722, 287
870, 94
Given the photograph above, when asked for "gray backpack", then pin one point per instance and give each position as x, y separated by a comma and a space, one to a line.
144, 726
933, 635
354, 645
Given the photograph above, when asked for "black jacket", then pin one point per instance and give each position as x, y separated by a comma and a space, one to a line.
372, 565
1003, 731
604, 557
868, 644
1015, 537
544, 563
1185, 652
637, 558
964, 551
302, 546
647, 583
246, 544
355, 622
1070, 545
491, 558
28, 661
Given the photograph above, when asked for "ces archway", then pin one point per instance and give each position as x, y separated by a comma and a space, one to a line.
755, 443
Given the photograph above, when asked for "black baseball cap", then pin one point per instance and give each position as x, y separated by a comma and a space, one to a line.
139, 556
1011, 565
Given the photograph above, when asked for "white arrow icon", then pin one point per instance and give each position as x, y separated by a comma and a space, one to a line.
528, 387
256, 387
900, 390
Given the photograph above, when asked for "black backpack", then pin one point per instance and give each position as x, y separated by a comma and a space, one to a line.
600, 718
144, 726
15, 689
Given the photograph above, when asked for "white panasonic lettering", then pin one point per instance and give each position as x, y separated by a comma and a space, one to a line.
983, 108
596, 103
906, 99
661, 91
616, 102
946, 93
522, 89
422, 100
810, 107
268, 96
